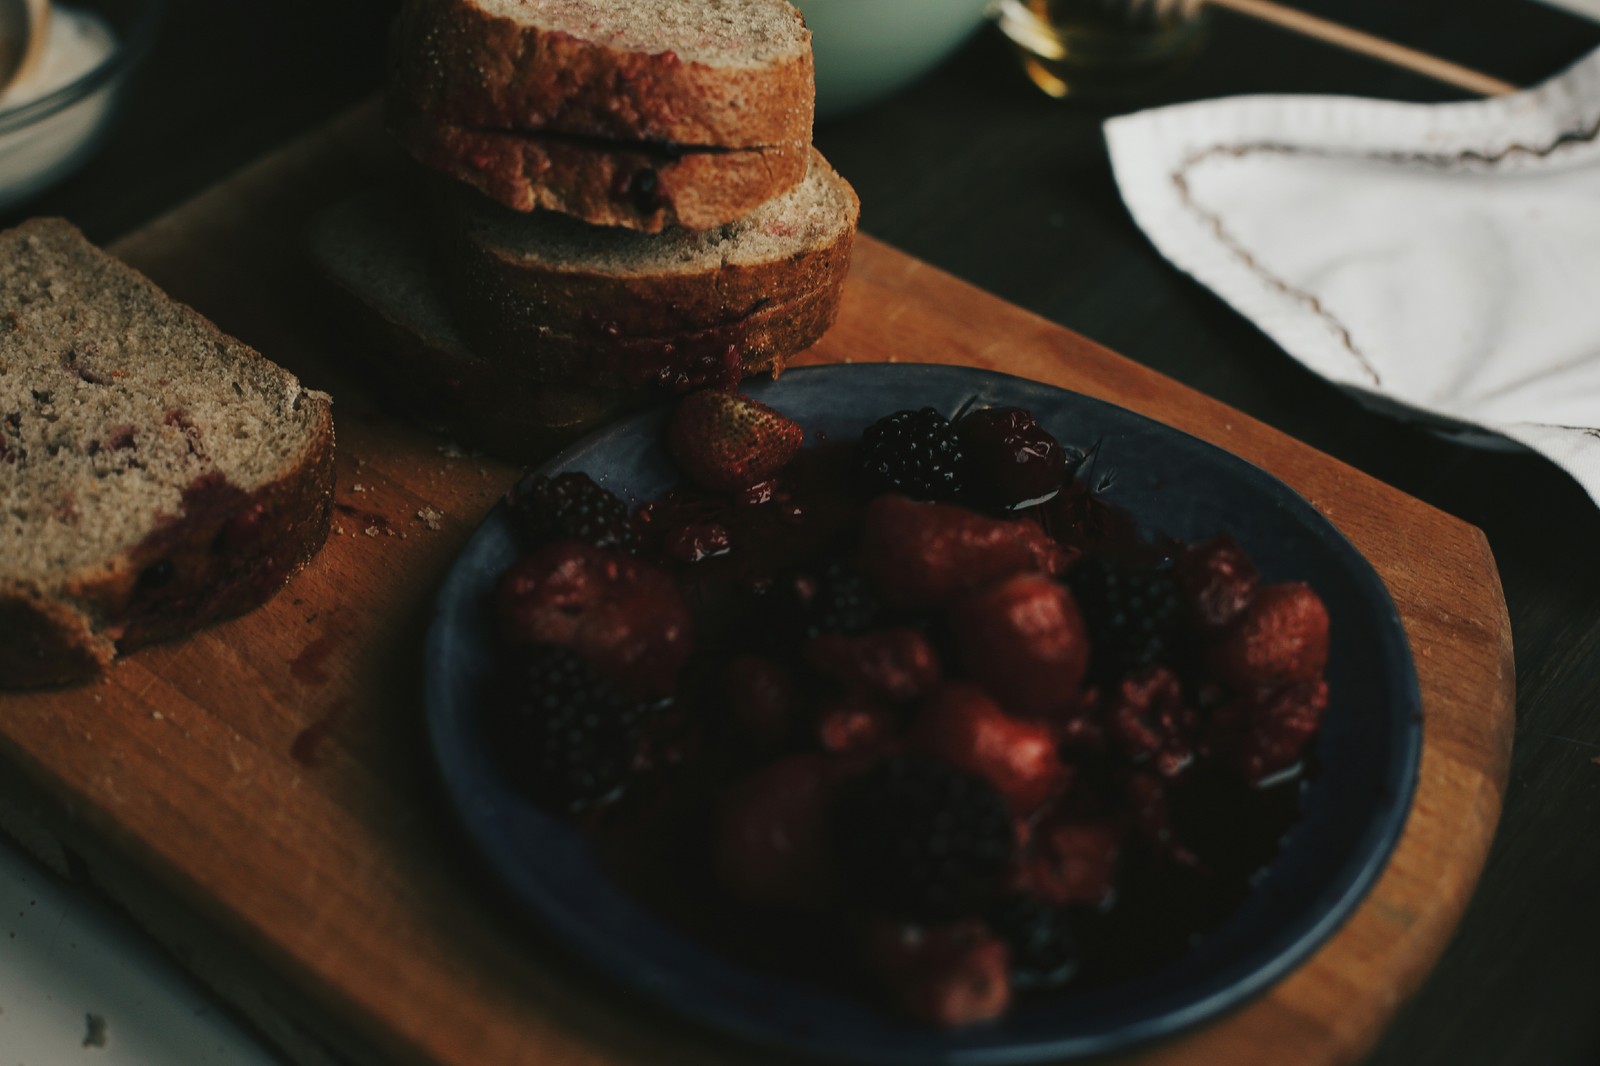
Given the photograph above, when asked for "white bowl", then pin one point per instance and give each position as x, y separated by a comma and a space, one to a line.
50, 127
866, 49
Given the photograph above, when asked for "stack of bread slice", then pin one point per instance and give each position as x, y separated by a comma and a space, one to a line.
622, 201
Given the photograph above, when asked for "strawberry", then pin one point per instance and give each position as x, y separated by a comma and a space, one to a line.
1218, 580
1280, 638
963, 726
1268, 730
1024, 640
626, 617
923, 555
949, 975
893, 664
772, 843
728, 443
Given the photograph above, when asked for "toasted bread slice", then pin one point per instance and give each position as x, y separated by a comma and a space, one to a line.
677, 113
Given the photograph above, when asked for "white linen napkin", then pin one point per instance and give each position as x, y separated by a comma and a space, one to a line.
1445, 257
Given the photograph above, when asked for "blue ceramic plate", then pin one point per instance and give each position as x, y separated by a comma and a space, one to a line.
1354, 809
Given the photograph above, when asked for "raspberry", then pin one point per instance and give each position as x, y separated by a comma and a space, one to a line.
1043, 949
921, 839
1220, 579
1131, 612
569, 506
918, 453
1269, 730
566, 737
1012, 460
1146, 717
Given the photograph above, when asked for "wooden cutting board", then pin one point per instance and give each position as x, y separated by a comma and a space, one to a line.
260, 797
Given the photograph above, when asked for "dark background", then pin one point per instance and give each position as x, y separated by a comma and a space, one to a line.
975, 171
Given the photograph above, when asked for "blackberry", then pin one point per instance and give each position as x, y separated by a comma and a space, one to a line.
832, 597
920, 839
918, 453
1043, 948
1131, 612
566, 737
569, 506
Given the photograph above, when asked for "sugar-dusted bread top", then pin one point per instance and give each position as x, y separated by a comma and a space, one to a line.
718, 33
568, 275
683, 73
116, 401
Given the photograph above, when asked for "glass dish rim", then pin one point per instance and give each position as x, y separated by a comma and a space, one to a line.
129, 50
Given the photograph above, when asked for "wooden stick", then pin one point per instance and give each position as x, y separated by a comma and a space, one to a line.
1365, 43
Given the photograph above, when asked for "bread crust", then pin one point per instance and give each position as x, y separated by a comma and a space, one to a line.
228, 553
500, 292
601, 354
45, 642
627, 184
468, 68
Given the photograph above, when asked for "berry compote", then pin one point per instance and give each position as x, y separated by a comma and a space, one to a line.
940, 752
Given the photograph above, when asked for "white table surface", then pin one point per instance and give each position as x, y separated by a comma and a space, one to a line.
63, 957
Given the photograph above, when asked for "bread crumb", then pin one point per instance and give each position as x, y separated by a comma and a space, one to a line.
430, 517
372, 531
338, 531
358, 487
452, 451
157, 715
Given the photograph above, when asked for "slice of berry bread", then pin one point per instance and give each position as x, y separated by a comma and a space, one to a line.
676, 112
156, 473
508, 270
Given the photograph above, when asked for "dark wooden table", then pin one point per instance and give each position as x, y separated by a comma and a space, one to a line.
978, 173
